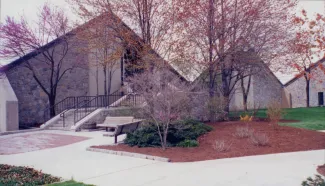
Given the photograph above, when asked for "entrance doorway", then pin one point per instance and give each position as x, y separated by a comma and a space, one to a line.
320, 98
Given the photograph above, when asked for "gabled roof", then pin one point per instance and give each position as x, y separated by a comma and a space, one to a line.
139, 42
32, 54
204, 74
312, 66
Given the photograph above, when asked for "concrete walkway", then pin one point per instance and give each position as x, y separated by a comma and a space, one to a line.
72, 161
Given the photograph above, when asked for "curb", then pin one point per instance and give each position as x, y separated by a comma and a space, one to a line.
129, 154
20, 131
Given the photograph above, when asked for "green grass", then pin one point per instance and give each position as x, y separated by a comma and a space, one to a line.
309, 118
69, 183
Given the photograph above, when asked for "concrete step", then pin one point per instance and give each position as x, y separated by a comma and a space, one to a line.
66, 121
60, 128
61, 125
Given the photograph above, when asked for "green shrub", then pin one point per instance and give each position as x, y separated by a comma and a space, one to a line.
186, 129
147, 135
318, 181
188, 143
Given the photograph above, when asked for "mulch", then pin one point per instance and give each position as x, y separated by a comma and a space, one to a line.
321, 170
284, 139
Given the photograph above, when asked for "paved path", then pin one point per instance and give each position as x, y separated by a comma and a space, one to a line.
72, 161
15, 144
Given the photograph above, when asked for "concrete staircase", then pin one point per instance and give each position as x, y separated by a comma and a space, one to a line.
68, 122
89, 115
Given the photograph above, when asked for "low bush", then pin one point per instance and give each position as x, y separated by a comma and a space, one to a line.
317, 181
188, 143
221, 146
275, 113
259, 139
243, 132
246, 118
12, 176
147, 135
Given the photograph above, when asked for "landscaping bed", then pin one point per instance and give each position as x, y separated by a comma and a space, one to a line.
321, 170
284, 139
14, 176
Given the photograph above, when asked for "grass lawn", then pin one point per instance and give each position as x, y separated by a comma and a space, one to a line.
69, 183
310, 118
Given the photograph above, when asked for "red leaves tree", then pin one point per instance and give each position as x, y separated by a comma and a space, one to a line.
306, 46
20, 38
215, 31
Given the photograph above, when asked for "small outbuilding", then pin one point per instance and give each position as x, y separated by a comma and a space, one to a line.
9, 120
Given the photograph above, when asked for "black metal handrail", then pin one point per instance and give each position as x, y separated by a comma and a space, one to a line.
63, 105
97, 102
84, 105
80, 101
85, 109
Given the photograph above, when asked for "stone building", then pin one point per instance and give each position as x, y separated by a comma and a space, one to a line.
265, 88
8, 107
295, 89
84, 75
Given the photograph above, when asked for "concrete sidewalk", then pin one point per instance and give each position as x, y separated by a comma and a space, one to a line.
73, 161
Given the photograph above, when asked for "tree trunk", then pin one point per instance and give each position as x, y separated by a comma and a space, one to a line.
225, 93
226, 106
52, 103
165, 139
212, 112
245, 90
245, 102
110, 77
307, 92
105, 81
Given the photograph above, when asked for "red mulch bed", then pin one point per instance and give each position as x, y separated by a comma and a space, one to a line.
285, 139
321, 170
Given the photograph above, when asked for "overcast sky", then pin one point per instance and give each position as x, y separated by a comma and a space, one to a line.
28, 8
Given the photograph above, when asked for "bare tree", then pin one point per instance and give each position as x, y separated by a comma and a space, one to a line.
104, 47
167, 99
227, 27
152, 20
48, 39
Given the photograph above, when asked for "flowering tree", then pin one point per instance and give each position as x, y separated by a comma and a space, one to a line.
152, 20
167, 98
305, 48
48, 39
227, 27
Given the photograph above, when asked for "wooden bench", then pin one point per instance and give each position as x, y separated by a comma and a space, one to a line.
119, 125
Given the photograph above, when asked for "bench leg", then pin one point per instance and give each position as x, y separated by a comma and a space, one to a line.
115, 139
106, 129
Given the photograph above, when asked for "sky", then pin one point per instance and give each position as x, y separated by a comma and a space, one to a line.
28, 9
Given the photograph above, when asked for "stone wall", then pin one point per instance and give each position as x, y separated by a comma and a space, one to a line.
297, 89
266, 89
32, 99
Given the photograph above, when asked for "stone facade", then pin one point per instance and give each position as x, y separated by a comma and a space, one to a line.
295, 91
265, 88
32, 99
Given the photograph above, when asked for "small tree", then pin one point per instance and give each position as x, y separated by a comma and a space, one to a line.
275, 113
104, 46
19, 38
305, 48
167, 98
